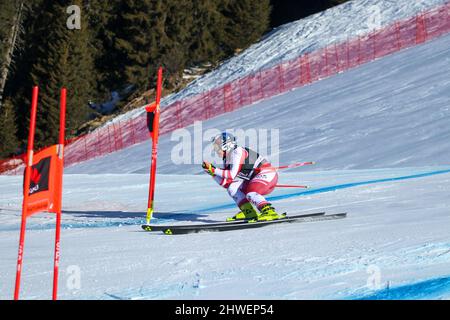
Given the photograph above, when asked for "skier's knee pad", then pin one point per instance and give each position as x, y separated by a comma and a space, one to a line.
239, 197
232, 192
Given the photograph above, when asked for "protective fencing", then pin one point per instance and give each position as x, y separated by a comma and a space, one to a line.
266, 83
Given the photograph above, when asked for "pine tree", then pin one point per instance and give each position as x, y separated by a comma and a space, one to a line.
140, 37
63, 59
207, 32
80, 80
102, 16
11, 15
18, 86
179, 23
246, 22
8, 139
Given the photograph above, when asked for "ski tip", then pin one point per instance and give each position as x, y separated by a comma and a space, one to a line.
146, 227
338, 215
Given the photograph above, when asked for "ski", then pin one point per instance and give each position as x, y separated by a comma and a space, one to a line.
220, 227
156, 227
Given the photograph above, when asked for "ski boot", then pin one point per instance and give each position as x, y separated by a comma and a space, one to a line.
247, 213
268, 213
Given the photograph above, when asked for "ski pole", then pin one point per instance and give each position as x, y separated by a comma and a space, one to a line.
290, 186
290, 166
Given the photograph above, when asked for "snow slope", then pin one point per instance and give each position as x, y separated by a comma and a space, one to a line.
393, 112
399, 228
380, 136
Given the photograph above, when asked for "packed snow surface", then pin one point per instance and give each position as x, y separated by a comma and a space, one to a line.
396, 233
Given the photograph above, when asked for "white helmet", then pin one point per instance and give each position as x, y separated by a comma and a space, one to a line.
225, 142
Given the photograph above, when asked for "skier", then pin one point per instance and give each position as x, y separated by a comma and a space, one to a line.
247, 176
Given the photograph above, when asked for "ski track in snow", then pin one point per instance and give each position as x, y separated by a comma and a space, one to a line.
430, 289
300, 261
119, 218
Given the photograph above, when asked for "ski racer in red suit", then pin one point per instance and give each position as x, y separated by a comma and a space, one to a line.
247, 176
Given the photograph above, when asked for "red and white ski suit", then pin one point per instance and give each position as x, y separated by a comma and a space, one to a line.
247, 176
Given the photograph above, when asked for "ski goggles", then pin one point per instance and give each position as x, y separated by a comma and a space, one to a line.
217, 148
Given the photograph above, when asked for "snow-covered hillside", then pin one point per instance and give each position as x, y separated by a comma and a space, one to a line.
349, 20
379, 134
393, 112
291, 40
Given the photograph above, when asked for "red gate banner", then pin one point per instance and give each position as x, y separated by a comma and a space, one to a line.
45, 187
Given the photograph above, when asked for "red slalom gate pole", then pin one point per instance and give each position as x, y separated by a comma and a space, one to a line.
26, 189
57, 255
20, 258
62, 129
155, 138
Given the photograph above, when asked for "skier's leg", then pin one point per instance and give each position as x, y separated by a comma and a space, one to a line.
235, 190
263, 184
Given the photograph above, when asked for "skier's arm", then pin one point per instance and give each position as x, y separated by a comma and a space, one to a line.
210, 169
222, 181
236, 161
